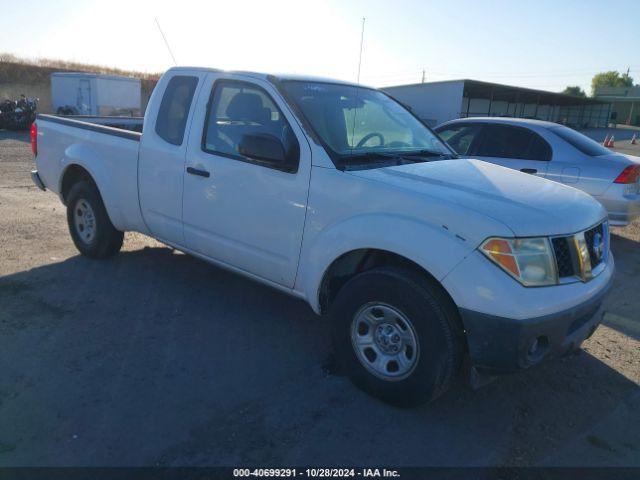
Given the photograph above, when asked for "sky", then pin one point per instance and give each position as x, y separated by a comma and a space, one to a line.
538, 44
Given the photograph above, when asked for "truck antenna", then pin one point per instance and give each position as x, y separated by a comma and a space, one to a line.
361, 43
165, 42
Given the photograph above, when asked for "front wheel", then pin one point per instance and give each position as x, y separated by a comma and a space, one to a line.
91, 229
397, 335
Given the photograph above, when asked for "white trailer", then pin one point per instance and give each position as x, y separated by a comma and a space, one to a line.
94, 94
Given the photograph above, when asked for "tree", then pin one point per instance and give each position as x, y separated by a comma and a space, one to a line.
610, 79
574, 91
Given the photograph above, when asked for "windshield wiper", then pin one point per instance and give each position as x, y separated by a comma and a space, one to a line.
429, 153
367, 158
398, 158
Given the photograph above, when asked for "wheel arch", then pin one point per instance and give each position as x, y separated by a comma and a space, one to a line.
354, 262
372, 240
74, 172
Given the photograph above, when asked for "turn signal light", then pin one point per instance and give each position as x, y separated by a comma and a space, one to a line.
499, 250
629, 175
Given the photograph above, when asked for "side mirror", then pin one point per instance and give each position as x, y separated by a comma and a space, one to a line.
265, 148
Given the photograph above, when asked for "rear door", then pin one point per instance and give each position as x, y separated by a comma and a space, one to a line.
245, 213
83, 102
513, 147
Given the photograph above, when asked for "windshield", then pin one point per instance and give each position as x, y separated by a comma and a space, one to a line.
355, 122
580, 141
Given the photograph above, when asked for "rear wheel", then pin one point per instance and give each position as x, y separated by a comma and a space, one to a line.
91, 229
397, 335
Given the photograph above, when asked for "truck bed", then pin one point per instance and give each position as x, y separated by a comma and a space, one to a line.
107, 147
128, 127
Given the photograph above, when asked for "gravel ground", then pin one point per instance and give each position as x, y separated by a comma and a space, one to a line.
156, 358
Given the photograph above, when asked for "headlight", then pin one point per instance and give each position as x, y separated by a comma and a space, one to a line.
528, 260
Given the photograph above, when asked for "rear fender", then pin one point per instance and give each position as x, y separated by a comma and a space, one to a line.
88, 158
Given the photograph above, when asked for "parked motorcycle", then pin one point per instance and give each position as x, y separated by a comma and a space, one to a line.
18, 114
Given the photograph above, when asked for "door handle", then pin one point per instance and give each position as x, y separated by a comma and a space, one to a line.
531, 171
195, 171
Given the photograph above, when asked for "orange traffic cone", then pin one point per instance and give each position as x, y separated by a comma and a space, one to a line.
611, 140
633, 140
605, 143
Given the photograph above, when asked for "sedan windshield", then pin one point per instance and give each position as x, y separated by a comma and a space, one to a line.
360, 124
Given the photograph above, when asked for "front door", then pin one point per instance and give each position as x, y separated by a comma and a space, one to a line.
245, 213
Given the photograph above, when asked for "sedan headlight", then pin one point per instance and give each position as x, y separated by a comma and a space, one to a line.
529, 260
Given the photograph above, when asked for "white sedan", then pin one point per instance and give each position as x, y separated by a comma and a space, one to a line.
555, 152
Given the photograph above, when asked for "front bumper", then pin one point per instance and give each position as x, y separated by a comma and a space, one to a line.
35, 177
501, 345
503, 320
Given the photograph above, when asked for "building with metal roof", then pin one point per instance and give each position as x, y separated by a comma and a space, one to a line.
625, 103
437, 102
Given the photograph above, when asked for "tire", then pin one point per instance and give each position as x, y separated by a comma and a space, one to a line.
91, 229
362, 312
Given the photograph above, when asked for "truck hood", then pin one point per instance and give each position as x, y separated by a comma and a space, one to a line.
528, 205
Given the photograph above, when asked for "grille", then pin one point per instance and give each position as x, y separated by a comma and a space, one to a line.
589, 237
561, 247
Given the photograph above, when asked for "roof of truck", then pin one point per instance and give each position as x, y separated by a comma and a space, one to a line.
267, 76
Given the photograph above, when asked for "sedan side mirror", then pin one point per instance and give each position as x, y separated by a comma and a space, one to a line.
265, 148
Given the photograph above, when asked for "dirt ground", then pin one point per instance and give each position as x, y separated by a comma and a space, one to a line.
156, 358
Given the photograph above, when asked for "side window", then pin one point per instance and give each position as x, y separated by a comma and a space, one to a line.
239, 108
460, 137
539, 149
504, 141
174, 108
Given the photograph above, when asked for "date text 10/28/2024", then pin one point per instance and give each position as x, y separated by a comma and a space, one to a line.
316, 472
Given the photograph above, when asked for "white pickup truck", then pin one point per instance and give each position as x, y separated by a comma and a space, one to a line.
337, 194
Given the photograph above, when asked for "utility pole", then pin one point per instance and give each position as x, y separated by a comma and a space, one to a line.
423, 73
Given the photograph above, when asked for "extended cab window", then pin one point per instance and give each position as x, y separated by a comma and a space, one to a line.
174, 108
504, 141
239, 108
460, 137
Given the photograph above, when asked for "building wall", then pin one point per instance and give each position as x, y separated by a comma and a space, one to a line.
12, 91
577, 116
439, 102
624, 114
625, 103
433, 103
